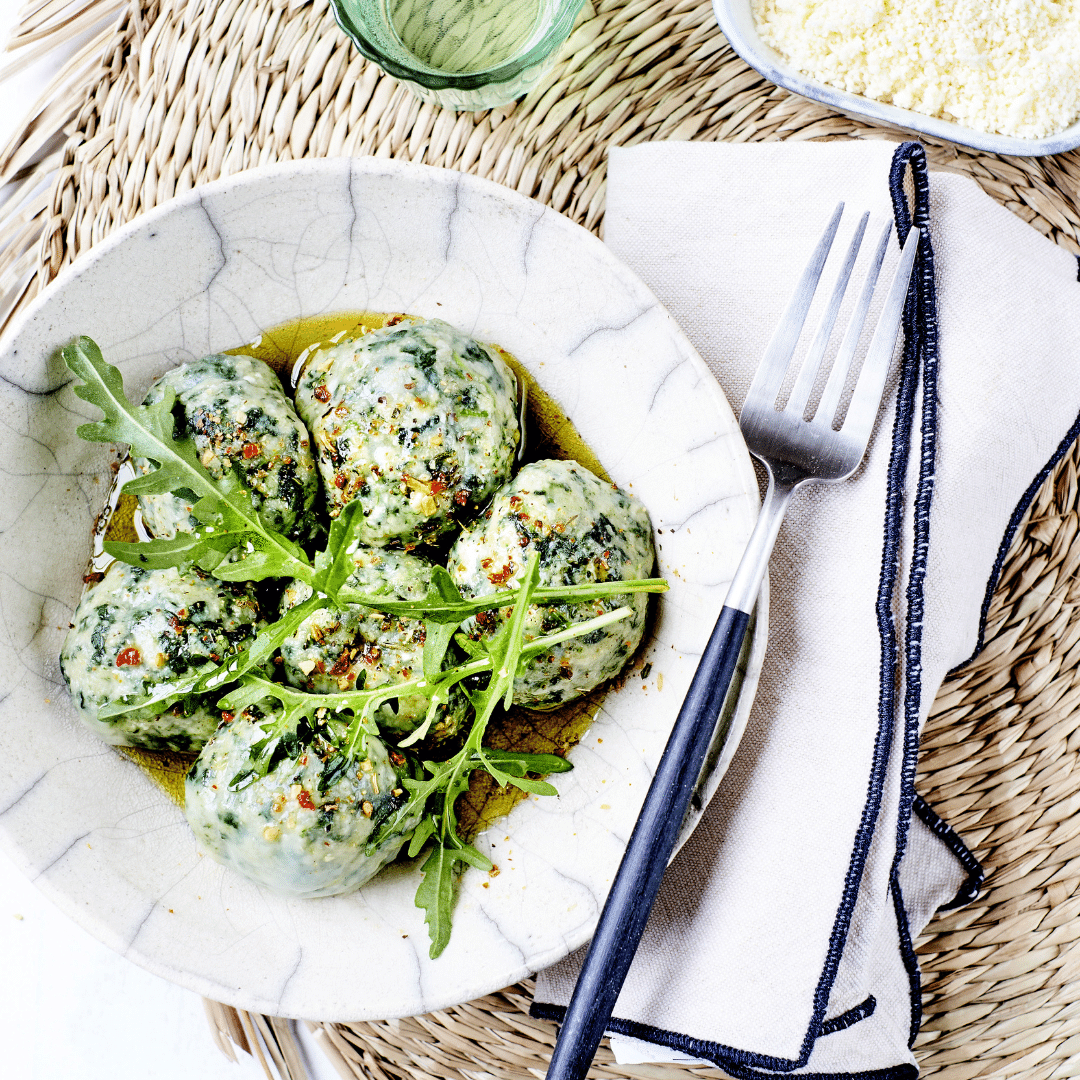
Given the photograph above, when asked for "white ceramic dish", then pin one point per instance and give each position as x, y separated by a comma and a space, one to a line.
737, 21
209, 271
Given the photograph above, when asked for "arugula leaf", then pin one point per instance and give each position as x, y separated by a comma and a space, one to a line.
439, 607
420, 836
519, 763
335, 564
436, 642
227, 516
435, 895
184, 550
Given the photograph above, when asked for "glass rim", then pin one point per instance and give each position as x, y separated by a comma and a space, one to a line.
555, 35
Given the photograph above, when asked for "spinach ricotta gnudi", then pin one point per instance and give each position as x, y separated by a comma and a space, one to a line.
137, 630
584, 530
237, 414
358, 648
417, 421
301, 828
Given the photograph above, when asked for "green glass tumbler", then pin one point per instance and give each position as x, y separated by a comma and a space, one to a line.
461, 54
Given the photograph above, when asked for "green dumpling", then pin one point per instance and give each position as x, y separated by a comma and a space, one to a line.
417, 421
236, 412
302, 829
136, 631
357, 648
585, 530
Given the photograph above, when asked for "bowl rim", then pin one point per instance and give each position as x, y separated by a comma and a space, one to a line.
747, 43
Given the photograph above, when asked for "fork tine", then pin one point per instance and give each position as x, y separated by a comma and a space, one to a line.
834, 388
769, 376
808, 373
866, 400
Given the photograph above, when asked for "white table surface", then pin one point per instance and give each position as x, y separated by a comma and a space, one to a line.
69, 1006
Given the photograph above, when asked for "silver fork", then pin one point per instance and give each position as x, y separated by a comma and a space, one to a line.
794, 451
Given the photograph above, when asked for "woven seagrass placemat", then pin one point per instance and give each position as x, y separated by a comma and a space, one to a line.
185, 92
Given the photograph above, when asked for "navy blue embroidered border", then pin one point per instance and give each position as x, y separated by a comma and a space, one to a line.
942, 829
852, 1016
967, 892
920, 305
920, 354
1010, 533
702, 1050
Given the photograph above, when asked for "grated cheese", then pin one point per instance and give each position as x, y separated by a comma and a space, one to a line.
1006, 66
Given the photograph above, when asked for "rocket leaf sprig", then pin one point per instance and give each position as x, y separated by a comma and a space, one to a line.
233, 544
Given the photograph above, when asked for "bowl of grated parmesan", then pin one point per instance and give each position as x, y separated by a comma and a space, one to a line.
1001, 76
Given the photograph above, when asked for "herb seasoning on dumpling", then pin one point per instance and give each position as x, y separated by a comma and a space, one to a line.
300, 824
135, 631
237, 414
585, 531
417, 421
358, 648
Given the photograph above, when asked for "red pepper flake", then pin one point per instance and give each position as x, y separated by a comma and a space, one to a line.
394, 320
461, 497
304, 799
342, 665
501, 577
92, 578
251, 450
340, 480
129, 658
396, 758
437, 486
227, 717
321, 393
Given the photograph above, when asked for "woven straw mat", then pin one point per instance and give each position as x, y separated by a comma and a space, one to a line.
172, 94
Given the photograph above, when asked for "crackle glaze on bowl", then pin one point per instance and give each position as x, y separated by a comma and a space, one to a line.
208, 271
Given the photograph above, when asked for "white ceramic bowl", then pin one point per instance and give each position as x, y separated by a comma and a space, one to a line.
211, 270
737, 21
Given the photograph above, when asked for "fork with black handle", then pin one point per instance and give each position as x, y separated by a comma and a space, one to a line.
794, 451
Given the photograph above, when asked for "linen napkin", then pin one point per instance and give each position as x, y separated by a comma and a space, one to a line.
781, 940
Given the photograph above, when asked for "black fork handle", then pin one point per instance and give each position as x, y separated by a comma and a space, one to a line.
622, 922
